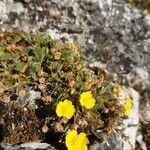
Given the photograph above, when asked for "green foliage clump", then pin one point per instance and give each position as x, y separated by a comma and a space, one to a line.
59, 73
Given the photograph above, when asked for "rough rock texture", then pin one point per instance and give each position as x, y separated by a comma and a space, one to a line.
28, 146
131, 125
90, 23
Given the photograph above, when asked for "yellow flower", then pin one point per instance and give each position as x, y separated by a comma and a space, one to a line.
74, 48
57, 55
117, 90
146, 11
65, 109
87, 100
75, 141
128, 106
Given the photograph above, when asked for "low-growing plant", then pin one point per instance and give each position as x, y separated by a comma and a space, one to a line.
74, 97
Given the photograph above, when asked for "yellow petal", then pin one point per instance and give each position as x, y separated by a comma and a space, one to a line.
72, 147
87, 100
145, 11
71, 138
117, 90
82, 138
75, 141
59, 109
65, 109
69, 109
80, 147
128, 106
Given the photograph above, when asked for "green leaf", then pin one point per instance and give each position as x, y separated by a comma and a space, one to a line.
15, 57
17, 39
44, 40
32, 72
19, 66
10, 68
39, 53
9, 82
66, 55
5, 56
106, 88
25, 51
2, 49
26, 38
22, 80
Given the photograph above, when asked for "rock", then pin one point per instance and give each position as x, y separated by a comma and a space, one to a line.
139, 77
145, 108
34, 145
30, 96
113, 143
131, 125
89, 24
28, 146
147, 20
140, 141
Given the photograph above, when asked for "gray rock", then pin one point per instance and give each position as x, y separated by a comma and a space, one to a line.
89, 23
112, 144
140, 141
28, 146
131, 125
29, 98
34, 145
147, 20
145, 108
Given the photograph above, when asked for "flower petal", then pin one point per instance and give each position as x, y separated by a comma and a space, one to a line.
71, 138
59, 109
128, 106
87, 100
65, 109
82, 138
